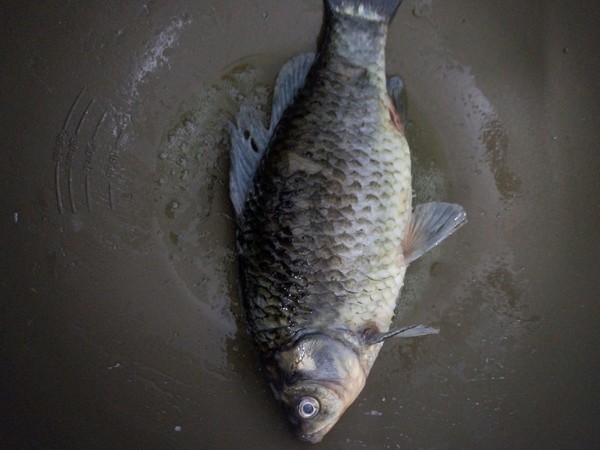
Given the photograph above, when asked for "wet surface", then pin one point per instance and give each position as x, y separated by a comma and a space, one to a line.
120, 320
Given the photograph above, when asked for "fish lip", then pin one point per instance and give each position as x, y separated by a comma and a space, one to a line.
316, 437
312, 438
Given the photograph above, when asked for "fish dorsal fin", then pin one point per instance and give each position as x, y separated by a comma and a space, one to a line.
289, 81
249, 140
429, 225
412, 331
249, 136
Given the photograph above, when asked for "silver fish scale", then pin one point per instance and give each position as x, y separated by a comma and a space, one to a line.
321, 230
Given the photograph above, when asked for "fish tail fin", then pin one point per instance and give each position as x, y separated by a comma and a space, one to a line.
379, 10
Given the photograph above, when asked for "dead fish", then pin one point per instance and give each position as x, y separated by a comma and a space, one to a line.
325, 224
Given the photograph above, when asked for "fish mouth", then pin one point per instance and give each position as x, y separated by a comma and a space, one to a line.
316, 437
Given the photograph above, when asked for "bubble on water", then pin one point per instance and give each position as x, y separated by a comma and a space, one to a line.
192, 187
170, 209
422, 9
495, 138
182, 161
174, 238
429, 185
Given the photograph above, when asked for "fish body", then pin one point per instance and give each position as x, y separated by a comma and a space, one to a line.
325, 224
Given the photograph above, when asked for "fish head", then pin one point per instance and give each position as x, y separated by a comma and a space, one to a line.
319, 378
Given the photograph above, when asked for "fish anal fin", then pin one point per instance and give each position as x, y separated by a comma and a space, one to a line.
429, 225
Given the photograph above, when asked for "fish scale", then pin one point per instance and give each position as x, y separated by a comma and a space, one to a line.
325, 226
337, 203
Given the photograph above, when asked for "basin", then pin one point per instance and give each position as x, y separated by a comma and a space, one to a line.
120, 319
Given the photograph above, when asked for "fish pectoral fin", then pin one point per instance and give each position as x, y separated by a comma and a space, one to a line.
289, 81
429, 225
412, 331
249, 140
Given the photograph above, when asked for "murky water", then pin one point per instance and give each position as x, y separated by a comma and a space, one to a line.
121, 322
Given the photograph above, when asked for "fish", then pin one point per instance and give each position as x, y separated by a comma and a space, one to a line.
325, 226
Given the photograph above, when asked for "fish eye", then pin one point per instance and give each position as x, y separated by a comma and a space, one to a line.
308, 408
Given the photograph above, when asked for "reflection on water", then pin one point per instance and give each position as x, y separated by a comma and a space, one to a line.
497, 148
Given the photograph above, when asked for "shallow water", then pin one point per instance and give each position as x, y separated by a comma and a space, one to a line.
121, 322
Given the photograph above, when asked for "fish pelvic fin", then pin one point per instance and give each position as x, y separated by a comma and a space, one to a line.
429, 225
376, 10
412, 331
249, 136
396, 93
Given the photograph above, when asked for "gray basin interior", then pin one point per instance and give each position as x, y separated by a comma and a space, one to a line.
121, 324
